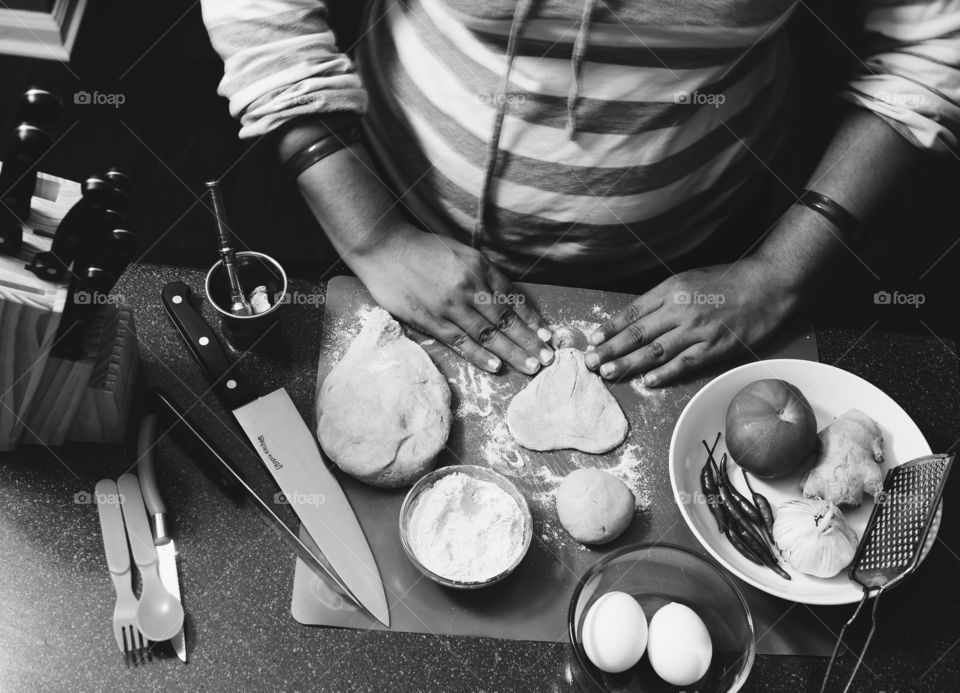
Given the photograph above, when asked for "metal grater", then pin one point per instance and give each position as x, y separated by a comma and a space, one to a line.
895, 540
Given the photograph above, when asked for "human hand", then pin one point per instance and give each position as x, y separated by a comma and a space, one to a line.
454, 293
692, 319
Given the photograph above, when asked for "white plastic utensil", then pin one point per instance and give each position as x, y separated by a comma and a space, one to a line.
125, 632
159, 614
162, 541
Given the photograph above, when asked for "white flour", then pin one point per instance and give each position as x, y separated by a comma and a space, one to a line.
632, 470
475, 390
466, 529
340, 335
501, 451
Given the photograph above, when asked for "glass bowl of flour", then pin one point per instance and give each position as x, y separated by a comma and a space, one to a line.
465, 526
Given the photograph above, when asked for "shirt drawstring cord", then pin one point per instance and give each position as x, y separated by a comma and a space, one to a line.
520, 15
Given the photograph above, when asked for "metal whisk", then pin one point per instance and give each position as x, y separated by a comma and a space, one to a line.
894, 540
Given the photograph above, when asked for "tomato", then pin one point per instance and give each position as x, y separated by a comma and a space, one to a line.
771, 428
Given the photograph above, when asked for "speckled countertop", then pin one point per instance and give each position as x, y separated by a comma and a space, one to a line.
56, 599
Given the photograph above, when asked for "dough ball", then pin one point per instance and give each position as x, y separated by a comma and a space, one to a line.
383, 412
568, 338
594, 507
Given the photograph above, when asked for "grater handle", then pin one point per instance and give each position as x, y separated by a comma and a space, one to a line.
866, 644
843, 631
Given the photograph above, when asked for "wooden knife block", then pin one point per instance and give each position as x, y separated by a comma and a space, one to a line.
44, 399
30, 312
87, 400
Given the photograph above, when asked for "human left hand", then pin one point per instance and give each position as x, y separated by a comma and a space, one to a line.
691, 319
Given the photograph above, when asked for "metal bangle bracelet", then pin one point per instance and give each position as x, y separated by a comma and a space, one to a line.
321, 149
836, 214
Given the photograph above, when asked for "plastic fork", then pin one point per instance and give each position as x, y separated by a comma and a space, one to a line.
129, 639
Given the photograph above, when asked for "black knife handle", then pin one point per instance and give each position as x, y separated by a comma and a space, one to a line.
19, 175
189, 436
86, 295
232, 390
39, 106
118, 252
74, 231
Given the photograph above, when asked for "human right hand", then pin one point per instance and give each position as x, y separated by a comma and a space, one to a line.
454, 293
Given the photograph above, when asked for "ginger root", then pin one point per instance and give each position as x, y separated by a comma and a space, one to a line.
847, 461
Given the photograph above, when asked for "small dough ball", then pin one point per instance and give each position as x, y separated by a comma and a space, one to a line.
594, 507
568, 337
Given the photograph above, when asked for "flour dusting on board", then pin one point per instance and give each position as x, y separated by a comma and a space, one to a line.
599, 313
340, 335
632, 470
474, 389
501, 452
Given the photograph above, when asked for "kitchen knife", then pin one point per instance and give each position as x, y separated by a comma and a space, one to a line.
18, 178
166, 550
288, 449
201, 448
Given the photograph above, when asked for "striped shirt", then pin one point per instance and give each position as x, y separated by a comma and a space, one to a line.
679, 105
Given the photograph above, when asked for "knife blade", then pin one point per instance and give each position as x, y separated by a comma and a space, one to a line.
194, 440
166, 549
288, 449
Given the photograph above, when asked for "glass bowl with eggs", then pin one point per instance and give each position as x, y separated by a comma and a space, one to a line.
465, 526
658, 617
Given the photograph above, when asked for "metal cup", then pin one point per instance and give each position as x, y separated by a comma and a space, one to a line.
246, 332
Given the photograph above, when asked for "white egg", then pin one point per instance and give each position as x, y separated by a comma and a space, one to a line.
679, 645
615, 632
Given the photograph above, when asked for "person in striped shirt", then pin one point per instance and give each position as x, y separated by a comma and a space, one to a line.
469, 145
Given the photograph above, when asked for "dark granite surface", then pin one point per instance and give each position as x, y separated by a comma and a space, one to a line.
56, 598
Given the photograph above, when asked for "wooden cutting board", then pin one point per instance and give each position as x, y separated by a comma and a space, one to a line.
532, 603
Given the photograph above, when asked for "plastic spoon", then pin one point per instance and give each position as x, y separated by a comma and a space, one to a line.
159, 614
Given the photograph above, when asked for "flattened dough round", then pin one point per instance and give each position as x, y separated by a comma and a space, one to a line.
593, 506
383, 412
567, 406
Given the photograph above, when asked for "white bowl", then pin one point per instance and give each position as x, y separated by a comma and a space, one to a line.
831, 391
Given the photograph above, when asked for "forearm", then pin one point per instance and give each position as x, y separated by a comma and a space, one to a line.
865, 162
353, 206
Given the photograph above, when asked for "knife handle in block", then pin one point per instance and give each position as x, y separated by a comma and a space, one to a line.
205, 347
111, 527
147, 471
135, 517
193, 440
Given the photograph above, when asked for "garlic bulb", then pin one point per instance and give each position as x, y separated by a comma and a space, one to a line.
814, 537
